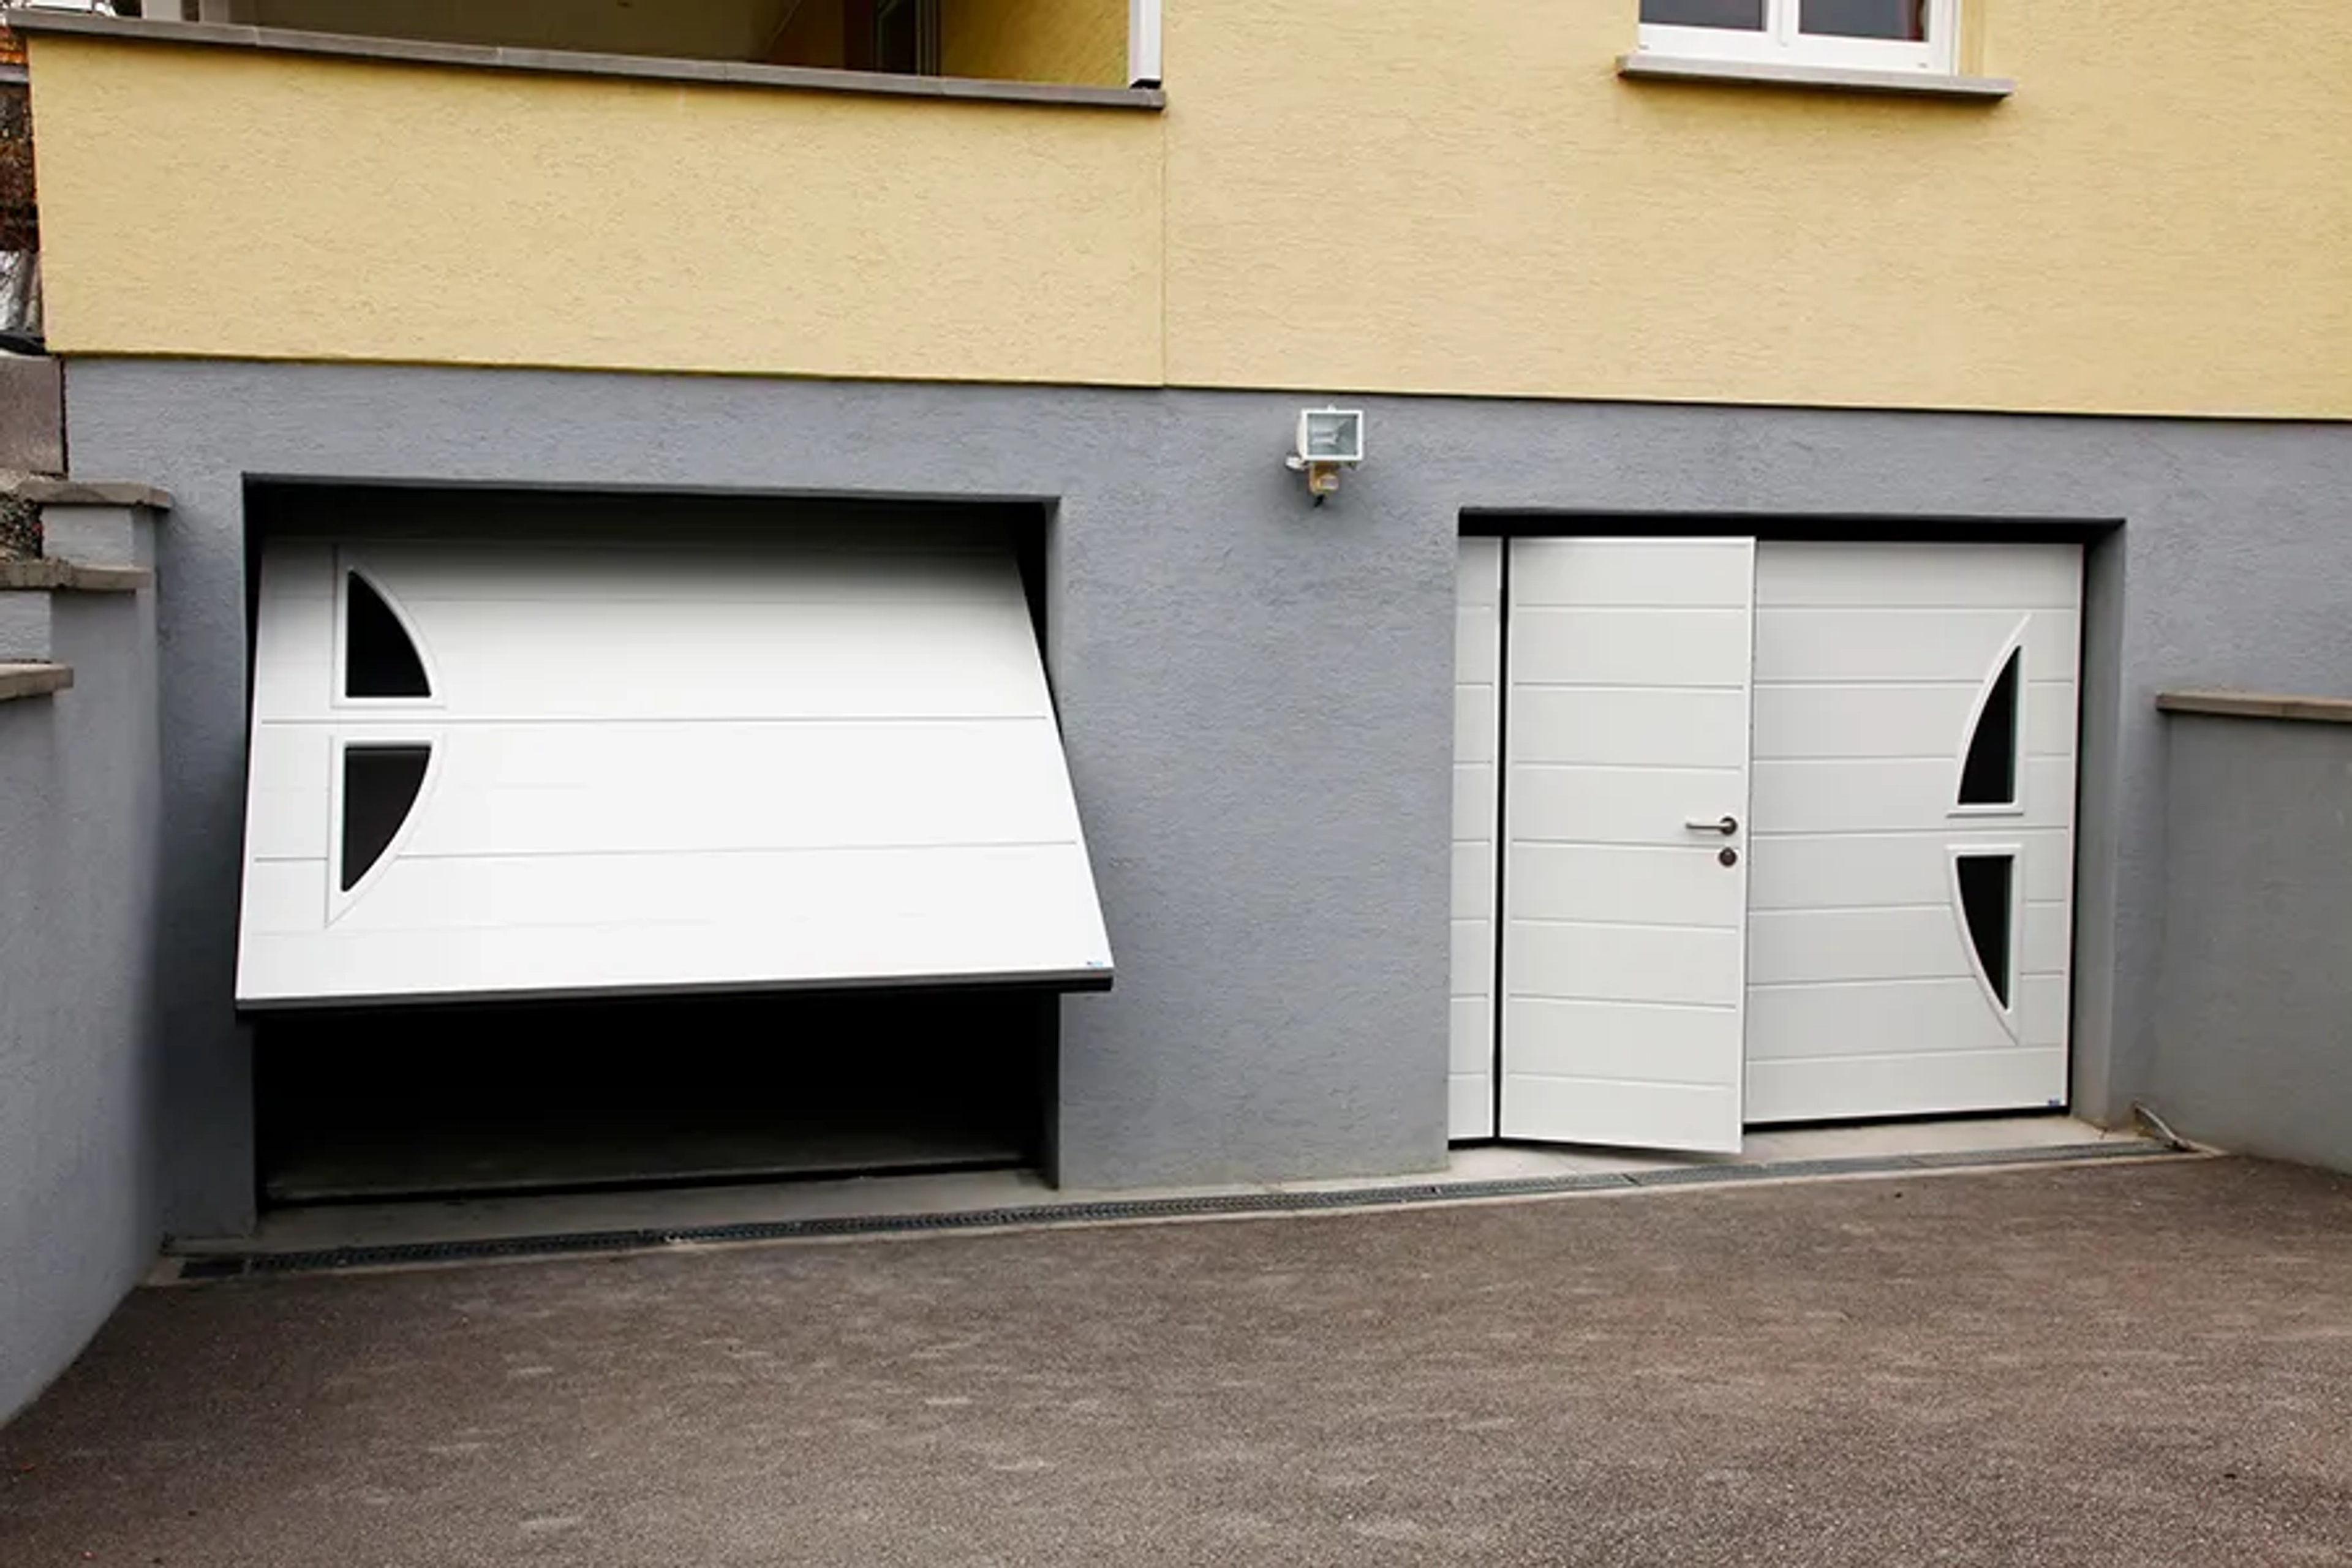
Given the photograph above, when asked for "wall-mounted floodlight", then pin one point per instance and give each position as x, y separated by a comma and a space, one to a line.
1329, 440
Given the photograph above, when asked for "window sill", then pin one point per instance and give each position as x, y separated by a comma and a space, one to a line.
558, 62
1645, 67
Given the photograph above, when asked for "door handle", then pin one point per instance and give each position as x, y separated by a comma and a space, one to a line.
1726, 826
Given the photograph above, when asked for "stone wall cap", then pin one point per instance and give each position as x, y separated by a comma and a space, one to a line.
18, 682
2257, 705
90, 492
71, 577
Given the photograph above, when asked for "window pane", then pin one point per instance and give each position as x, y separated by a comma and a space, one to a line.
1744, 15
380, 788
1989, 775
378, 659
1987, 896
1903, 20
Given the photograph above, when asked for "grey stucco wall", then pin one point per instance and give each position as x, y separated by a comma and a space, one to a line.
2254, 1029
79, 807
1256, 695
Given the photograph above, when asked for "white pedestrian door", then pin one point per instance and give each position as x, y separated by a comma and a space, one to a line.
1626, 832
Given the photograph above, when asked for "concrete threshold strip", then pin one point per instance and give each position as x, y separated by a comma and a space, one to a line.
202, 1268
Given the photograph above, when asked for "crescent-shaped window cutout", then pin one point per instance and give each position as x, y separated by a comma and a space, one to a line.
1989, 775
1987, 891
381, 785
380, 658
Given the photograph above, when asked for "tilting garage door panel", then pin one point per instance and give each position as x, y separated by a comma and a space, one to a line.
506, 789
666, 768
1907, 645
587, 925
1858, 870
1558, 1037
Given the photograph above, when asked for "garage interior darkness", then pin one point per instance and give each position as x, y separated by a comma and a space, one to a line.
436, 1100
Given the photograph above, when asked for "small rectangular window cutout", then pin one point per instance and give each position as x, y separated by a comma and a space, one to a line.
1987, 882
381, 785
1989, 776
1740, 16
1902, 21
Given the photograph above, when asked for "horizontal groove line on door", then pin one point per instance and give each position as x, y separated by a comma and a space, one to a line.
675, 852
1835, 834
1953, 979
1628, 767
1516, 997
1642, 689
1709, 1085
1682, 846
1858, 683
1618, 925
395, 710
1873, 758
1912, 1055
1908, 683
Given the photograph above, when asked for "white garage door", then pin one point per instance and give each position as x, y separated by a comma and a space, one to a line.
1786, 835
508, 770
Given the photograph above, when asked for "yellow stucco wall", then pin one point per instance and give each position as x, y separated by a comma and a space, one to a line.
2160, 220
1419, 196
230, 203
1077, 41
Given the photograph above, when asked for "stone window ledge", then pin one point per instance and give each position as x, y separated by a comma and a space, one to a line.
561, 62
1646, 66
2257, 705
18, 682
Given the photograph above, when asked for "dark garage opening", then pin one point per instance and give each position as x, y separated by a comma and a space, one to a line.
576, 1096
402, 1102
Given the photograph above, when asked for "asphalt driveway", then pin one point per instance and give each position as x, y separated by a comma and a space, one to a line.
2121, 1364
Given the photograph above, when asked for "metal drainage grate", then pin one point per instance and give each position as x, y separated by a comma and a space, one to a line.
231, 1266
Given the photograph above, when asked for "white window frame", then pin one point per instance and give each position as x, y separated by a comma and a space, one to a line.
1780, 42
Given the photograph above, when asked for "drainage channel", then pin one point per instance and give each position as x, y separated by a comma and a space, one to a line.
233, 1266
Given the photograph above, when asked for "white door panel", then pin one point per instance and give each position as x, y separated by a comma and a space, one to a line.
1690, 728
1875, 989
1892, 1018
1908, 644
1619, 804
1876, 796
1835, 870
1623, 967
1798, 573
1637, 649
1637, 886
1478, 709
1634, 574
1915, 720
1909, 1084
